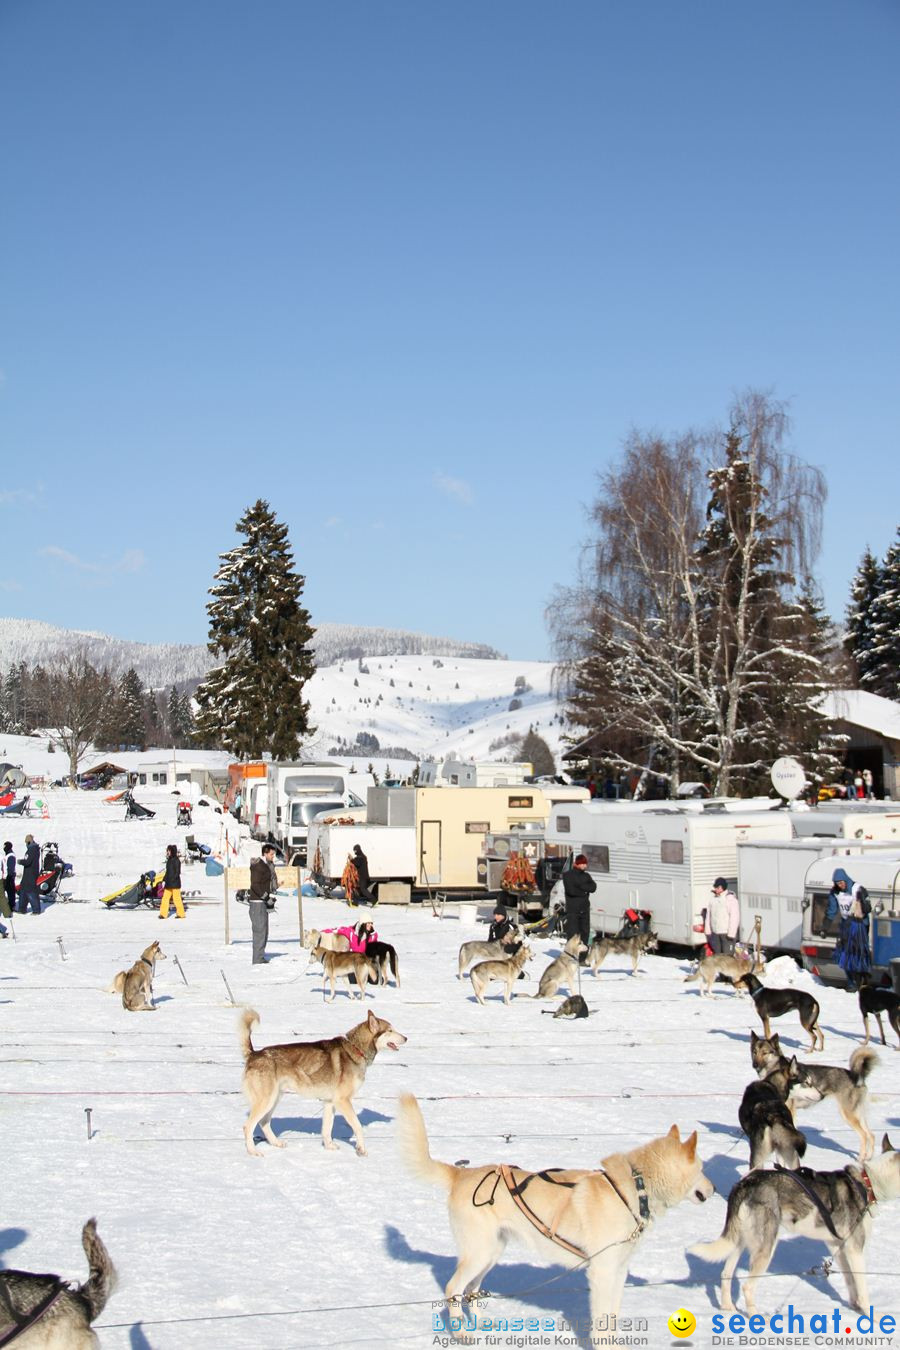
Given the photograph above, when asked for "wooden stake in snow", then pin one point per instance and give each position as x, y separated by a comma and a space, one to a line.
178, 964
87, 1112
62, 950
228, 987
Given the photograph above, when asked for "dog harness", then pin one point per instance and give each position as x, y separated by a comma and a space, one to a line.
516, 1189
863, 1188
22, 1321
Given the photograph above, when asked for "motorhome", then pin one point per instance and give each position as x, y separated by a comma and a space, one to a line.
879, 872
771, 880
297, 793
435, 833
663, 860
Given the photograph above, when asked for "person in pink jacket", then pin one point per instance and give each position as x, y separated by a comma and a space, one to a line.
360, 936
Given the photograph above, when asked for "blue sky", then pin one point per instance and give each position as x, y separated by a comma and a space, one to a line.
412, 271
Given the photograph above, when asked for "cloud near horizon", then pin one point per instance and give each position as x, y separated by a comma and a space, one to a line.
132, 560
457, 488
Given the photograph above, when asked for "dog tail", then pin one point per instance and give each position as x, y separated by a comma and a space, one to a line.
694, 976
862, 1062
249, 1019
788, 1141
414, 1146
102, 1278
718, 1250
117, 985
395, 965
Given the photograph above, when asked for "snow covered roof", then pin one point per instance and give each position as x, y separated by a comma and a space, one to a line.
871, 711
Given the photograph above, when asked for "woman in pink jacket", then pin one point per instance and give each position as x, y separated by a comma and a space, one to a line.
360, 936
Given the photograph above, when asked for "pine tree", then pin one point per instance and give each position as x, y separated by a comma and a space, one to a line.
131, 710
252, 702
806, 672
860, 639
883, 673
538, 753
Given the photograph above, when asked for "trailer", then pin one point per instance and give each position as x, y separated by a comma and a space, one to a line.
663, 860
438, 833
771, 878
879, 872
846, 820
298, 792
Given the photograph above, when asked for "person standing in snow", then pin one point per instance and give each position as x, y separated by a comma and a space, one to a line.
8, 886
263, 881
849, 903
28, 890
172, 884
579, 886
723, 918
361, 863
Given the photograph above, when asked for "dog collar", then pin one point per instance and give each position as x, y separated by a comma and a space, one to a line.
146, 962
755, 993
871, 1197
354, 1051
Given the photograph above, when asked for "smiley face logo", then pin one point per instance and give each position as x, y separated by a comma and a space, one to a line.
682, 1323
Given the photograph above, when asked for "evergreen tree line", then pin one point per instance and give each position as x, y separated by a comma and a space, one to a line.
112, 713
873, 623
694, 645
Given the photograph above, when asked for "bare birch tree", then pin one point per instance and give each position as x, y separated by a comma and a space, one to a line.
76, 698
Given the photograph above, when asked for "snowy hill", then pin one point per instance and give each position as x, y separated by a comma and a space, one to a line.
165, 663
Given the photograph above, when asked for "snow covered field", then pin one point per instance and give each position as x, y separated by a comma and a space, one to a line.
308, 1248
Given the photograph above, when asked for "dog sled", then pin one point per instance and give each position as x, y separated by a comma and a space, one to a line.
19, 808
53, 869
146, 891
134, 810
184, 816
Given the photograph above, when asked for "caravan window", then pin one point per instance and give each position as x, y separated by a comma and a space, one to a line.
818, 925
597, 856
521, 803
563, 824
477, 826
671, 851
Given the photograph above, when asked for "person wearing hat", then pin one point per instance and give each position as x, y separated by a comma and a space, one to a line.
28, 890
849, 904
723, 918
500, 925
8, 886
579, 886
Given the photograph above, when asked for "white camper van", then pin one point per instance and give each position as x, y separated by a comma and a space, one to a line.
297, 793
844, 820
662, 860
771, 878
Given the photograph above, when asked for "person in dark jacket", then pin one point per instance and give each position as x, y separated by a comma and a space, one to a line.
263, 881
31, 866
361, 863
500, 925
172, 884
8, 887
579, 886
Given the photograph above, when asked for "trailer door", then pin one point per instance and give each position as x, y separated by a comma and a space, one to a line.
430, 852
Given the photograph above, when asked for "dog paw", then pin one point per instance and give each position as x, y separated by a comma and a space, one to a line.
330, 1145
362, 1151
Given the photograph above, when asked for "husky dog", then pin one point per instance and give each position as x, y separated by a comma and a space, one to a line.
776, 1002
872, 999
767, 1121
814, 1082
330, 1071
574, 1006
66, 1322
486, 951
630, 946
341, 965
506, 969
331, 942
731, 967
833, 1207
592, 1218
384, 958
563, 970
136, 985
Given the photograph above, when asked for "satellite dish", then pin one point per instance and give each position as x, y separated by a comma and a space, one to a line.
788, 777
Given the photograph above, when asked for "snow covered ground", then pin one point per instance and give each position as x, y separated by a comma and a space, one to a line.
302, 1247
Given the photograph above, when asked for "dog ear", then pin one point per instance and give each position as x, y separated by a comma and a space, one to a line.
690, 1146
754, 1039
373, 1023
886, 1145
673, 1134
793, 1067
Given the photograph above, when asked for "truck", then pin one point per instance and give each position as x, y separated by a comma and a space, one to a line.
879, 872
771, 882
663, 860
436, 834
297, 792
